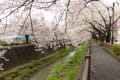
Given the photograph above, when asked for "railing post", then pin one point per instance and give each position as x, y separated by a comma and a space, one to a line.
89, 66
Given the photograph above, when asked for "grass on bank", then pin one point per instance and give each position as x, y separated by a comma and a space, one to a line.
67, 70
23, 71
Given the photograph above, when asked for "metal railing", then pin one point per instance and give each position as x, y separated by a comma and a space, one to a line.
87, 67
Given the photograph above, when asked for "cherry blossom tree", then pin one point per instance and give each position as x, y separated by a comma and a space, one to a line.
18, 16
102, 25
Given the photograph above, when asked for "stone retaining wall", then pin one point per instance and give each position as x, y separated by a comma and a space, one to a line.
19, 54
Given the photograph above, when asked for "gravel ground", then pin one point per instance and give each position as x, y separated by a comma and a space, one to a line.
104, 65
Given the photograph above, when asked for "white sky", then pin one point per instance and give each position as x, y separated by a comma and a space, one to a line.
109, 2
1, 1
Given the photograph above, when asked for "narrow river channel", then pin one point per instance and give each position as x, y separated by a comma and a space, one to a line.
43, 72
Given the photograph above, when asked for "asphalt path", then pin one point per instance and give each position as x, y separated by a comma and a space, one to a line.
104, 65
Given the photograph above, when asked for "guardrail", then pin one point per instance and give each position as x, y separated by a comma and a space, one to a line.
87, 67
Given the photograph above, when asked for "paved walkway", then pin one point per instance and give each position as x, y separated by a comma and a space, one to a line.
104, 65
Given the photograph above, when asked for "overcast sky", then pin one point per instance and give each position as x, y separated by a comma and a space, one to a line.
109, 2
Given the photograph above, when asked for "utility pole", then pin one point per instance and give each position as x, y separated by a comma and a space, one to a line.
113, 10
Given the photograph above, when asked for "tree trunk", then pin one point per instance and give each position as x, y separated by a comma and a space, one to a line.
108, 36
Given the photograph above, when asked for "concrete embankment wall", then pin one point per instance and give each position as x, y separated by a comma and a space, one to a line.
19, 54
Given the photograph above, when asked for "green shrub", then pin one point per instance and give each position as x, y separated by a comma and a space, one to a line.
26, 72
34, 62
116, 49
